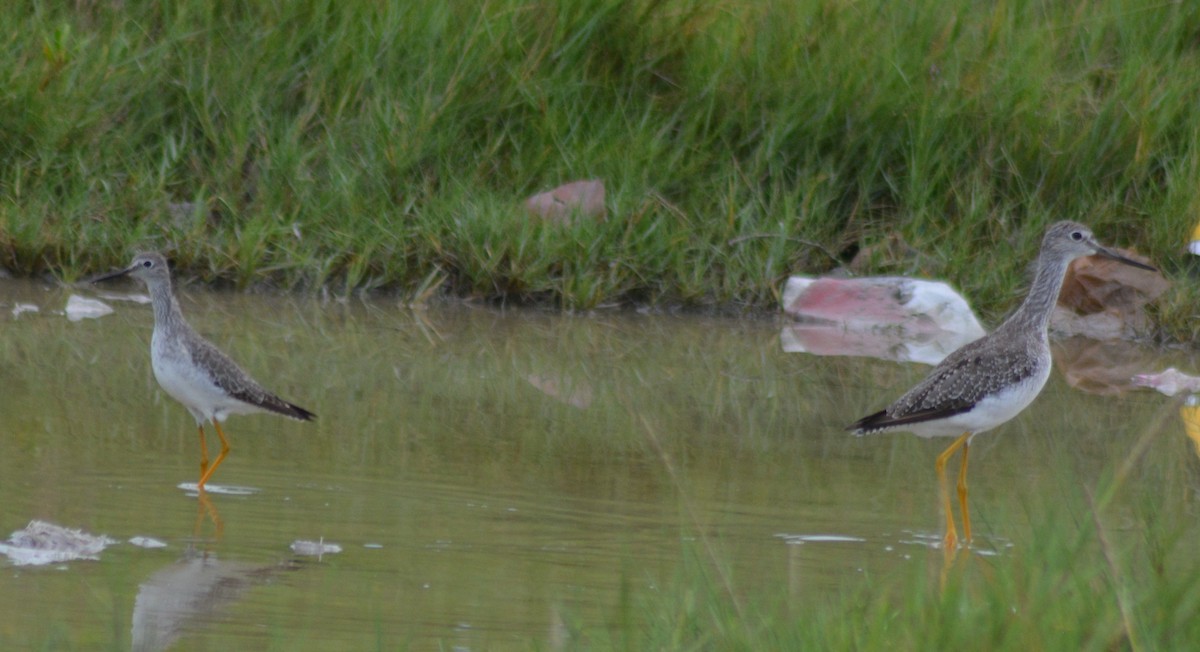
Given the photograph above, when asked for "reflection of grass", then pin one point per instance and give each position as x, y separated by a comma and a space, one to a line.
754, 446
369, 145
1125, 576
1105, 571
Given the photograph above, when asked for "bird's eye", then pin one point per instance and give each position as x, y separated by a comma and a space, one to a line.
148, 264
1077, 235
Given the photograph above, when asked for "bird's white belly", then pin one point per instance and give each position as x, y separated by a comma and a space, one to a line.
192, 386
990, 412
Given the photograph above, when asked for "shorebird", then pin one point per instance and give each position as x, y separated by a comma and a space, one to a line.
989, 381
194, 371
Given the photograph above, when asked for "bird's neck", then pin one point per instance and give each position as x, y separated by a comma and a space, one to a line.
166, 308
1034, 312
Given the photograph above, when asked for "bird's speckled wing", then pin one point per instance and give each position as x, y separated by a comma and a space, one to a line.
954, 386
227, 375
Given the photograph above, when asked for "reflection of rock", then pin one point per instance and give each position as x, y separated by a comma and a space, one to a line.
584, 199
19, 308
1095, 367
914, 305
46, 543
572, 392
187, 593
1104, 299
1169, 382
885, 344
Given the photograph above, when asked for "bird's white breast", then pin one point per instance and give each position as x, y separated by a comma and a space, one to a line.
189, 384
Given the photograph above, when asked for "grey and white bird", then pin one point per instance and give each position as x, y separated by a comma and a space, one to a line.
989, 381
193, 370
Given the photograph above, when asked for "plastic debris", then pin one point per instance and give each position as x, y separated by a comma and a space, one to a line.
315, 548
1169, 382
42, 543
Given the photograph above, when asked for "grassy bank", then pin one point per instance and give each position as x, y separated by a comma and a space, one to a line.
389, 145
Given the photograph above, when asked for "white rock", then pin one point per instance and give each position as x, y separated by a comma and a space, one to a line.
84, 308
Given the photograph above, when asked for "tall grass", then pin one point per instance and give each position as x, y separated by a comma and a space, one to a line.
315, 143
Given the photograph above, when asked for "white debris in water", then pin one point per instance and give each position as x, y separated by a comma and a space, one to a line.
83, 308
315, 548
791, 539
42, 543
223, 489
147, 542
23, 307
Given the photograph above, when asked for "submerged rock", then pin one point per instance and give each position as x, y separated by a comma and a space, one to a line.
42, 543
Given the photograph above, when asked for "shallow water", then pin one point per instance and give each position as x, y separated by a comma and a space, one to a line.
493, 479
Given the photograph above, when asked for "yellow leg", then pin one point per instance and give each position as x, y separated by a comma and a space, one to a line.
950, 542
962, 495
220, 456
203, 450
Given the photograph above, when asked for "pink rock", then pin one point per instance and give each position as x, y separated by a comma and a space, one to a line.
891, 318
578, 198
918, 305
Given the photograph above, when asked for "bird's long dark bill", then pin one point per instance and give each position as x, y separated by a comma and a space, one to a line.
1101, 251
105, 277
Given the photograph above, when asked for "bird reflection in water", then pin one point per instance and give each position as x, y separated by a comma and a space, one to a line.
191, 592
